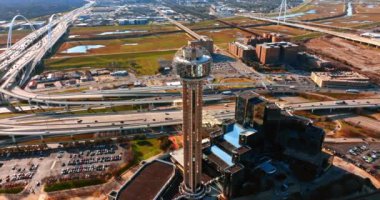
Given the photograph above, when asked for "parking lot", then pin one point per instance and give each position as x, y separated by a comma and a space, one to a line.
28, 170
97, 158
62, 163
363, 155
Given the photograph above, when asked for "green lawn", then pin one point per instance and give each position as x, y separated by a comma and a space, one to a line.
240, 20
204, 24
223, 37
137, 44
11, 190
72, 184
146, 62
144, 149
99, 29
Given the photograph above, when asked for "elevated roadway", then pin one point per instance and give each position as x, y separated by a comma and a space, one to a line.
339, 104
181, 26
58, 124
42, 101
348, 36
152, 95
16, 51
21, 68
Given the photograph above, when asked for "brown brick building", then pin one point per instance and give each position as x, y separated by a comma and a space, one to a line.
277, 52
242, 51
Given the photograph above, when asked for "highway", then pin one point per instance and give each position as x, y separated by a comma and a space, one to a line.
65, 102
348, 36
339, 104
58, 124
181, 26
19, 71
50, 124
35, 53
98, 98
17, 50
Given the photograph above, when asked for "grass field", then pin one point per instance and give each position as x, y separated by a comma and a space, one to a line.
365, 14
144, 149
319, 120
145, 63
322, 10
240, 20
72, 184
16, 35
367, 8
307, 36
86, 32
349, 130
138, 44
204, 24
223, 37
11, 190
280, 29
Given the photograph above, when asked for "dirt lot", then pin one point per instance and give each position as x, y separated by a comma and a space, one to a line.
359, 56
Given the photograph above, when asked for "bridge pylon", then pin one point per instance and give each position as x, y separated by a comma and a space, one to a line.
4, 101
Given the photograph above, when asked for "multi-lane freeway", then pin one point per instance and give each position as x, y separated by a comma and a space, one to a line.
348, 36
21, 68
339, 104
58, 123
17, 50
18, 65
77, 124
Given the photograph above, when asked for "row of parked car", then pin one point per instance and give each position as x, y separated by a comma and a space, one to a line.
356, 150
366, 155
81, 169
19, 176
94, 160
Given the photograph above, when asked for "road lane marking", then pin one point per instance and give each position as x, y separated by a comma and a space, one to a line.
52, 166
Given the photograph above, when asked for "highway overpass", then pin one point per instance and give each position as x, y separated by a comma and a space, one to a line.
65, 124
348, 36
328, 105
17, 50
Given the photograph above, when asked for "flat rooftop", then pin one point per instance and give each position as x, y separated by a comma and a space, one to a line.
243, 46
148, 182
225, 157
341, 76
217, 160
232, 137
278, 44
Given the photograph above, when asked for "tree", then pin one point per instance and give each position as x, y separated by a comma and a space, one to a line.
165, 143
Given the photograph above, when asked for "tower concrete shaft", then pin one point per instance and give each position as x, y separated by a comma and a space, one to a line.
192, 133
193, 65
